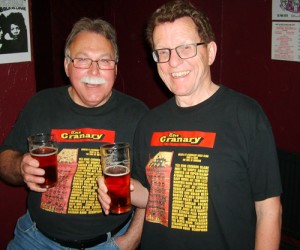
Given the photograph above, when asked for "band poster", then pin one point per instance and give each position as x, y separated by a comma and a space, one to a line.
286, 30
14, 31
286, 41
286, 10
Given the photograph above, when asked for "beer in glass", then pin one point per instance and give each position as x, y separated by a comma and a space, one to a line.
115, 161
43, 147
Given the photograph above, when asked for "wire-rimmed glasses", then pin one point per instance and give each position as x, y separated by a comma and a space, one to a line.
86, 63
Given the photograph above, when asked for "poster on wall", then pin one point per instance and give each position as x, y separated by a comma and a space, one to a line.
286, 41
14, 31
286, 10
286, 30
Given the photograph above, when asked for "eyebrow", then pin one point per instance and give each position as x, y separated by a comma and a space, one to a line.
180, 44
85, 55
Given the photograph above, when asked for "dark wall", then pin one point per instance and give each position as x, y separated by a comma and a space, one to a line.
52, 21
248, 68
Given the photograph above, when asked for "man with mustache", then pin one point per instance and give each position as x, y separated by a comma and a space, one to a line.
69, 215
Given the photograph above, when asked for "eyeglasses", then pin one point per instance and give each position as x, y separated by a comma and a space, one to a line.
183, 51
86, 63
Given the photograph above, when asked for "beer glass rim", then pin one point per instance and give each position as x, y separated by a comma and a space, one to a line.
115, 145
39, 136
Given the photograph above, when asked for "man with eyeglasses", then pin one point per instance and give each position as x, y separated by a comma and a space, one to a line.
205, 162
83, 116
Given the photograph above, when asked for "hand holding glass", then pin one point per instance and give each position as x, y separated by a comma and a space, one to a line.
43, 147
115, 162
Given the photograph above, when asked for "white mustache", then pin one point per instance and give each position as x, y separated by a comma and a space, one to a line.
93, 80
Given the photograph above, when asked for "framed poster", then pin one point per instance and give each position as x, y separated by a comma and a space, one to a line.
14, 31
286, 10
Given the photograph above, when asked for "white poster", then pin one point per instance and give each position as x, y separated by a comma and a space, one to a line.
14, 31
286, 41
286, 10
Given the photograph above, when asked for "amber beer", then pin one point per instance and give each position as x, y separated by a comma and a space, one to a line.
115, 162
43, 147
47, 158
117, 180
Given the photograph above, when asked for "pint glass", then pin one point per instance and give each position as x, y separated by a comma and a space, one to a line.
115, 162
43, 147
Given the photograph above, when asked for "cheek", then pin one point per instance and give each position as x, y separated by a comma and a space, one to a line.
78, 73
161, 71
75, 76
109, 76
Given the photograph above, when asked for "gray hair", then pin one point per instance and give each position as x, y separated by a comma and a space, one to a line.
97, 26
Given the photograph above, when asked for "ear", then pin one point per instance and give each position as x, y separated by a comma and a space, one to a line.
116, 70
212, 52
66, 66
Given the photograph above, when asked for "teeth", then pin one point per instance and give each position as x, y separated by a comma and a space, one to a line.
93, 80
180, 74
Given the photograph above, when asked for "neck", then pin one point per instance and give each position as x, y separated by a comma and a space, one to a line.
197, 97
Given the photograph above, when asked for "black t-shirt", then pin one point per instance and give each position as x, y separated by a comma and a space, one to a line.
70, 210
205, 166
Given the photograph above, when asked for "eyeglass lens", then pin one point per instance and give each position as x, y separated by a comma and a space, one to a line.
183, 51
85, 63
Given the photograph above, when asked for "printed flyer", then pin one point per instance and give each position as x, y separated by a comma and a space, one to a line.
14, 31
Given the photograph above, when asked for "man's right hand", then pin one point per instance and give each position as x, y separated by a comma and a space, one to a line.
32, 174
17, 168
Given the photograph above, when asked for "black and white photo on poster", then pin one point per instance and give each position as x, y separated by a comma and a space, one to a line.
288, 10
14, 31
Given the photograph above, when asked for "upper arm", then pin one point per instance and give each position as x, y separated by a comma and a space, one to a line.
268, 207
268, 226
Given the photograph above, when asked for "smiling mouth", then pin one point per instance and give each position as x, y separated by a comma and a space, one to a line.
180, 74
92, 84
89, 85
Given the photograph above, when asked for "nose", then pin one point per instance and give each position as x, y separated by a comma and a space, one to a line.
94, 68
175, 60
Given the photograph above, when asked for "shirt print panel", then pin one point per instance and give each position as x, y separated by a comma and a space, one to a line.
78, 167
178, 180
190, 193
158, 172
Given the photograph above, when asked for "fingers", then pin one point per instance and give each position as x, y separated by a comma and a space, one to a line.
32, 174
101, 185
103, 197
132, 184
35, 187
